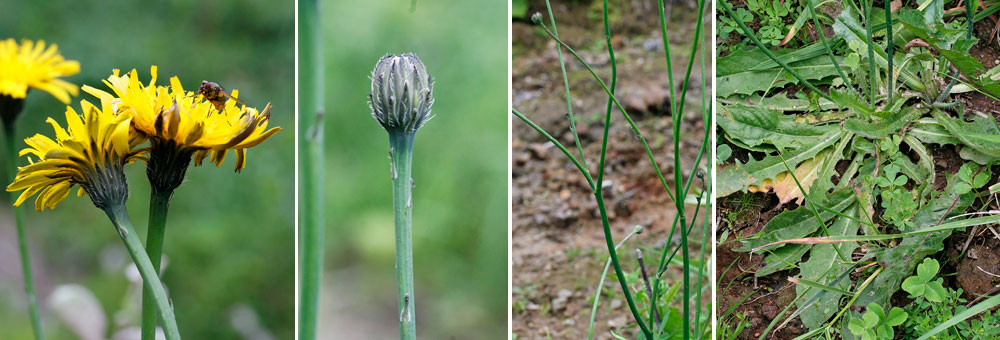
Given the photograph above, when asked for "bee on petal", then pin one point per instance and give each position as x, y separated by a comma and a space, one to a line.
214, 93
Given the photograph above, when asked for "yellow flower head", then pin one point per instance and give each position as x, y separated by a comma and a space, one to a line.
30, 64
185, 119
92, 152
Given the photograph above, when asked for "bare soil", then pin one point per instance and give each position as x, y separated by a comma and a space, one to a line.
559, 248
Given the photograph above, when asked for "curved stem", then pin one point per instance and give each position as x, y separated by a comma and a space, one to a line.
158, 204
402, 205
22, 242
631, 123
599, 192
150, 279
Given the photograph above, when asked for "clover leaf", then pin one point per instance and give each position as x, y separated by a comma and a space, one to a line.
969, 179
923, 284
875, 324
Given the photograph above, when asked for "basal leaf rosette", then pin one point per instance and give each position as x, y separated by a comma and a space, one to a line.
91, 152
184, 122
31, 65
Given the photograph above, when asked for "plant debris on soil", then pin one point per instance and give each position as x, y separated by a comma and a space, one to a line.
559, 249
970, 261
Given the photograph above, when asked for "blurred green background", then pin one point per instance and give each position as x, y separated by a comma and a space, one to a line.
459, 167
230, 237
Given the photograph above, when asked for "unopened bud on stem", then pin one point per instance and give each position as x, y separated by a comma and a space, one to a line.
401, 94
536, 18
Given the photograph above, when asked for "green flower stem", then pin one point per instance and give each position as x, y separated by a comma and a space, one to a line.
583, 171
158, 204
599, 192
402, 205
871, 53
599, 196
889, 48
150, 279
628, 118
310, 135
569, 98
826, 44
22, 242
600, 283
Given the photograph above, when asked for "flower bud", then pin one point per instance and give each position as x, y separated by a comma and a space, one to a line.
638, 229
401, 93
536, 18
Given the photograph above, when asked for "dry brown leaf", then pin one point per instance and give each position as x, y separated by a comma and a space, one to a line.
788, 37
784, 185
895, 5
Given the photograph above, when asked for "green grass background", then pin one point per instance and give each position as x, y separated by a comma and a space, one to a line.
460, 170
230, 236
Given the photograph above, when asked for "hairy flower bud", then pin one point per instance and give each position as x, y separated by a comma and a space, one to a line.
536, 18
402, 93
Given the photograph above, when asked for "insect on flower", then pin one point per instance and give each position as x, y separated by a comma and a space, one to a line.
214, 93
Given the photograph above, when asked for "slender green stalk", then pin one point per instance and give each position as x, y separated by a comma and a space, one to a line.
402, 205
826, 44
676, 109
871, 53
984, 306
678, 115
889, 48
666, 50
579, 166
634, 127
749, 34
969, 18
705, 230
614, 68
954, 76
598, 193
310, 130
22, 242
664, 260
150, 279
158, 204
690, 65
569, 98
600, 283
599, 196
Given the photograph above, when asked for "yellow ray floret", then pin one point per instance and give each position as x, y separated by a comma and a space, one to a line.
30, 64
169, 113
99, 139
